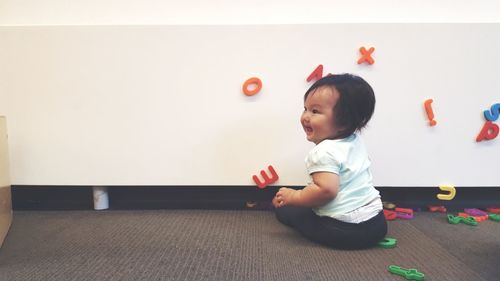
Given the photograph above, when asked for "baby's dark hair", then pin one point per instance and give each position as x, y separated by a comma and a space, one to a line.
355, 105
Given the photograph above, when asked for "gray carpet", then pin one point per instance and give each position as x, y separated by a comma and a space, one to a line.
232, 245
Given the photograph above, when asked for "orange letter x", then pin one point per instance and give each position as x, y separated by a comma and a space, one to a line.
366, 55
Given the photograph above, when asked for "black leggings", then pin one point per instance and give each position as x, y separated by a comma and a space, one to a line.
331, 232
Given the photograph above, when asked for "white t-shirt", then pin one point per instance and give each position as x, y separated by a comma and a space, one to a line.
357, 200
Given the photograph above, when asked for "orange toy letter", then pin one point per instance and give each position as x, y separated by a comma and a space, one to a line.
316, 74
252, 81
366, 55
430, 114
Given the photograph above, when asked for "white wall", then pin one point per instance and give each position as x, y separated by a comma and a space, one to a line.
60, 134
130, 12
162, 105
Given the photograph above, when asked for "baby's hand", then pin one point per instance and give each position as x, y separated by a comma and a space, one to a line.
276, 202
284, 197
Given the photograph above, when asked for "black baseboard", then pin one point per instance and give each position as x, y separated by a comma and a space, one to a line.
29, 197
26, 197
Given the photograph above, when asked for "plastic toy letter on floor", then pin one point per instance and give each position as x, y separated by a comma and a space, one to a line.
404, 213
440, 209
387, 243
495, 210
494, 217
477, 218
409, 274
457, 219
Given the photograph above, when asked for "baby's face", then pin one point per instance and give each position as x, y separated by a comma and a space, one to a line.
317, 118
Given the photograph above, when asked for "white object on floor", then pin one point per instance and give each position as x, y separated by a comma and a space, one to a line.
101, 200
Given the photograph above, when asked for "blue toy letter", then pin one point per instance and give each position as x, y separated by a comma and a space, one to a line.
495, 111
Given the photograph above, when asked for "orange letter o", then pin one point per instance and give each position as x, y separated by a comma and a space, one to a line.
250, 81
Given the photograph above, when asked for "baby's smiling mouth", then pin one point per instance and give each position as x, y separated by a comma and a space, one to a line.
308, 130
